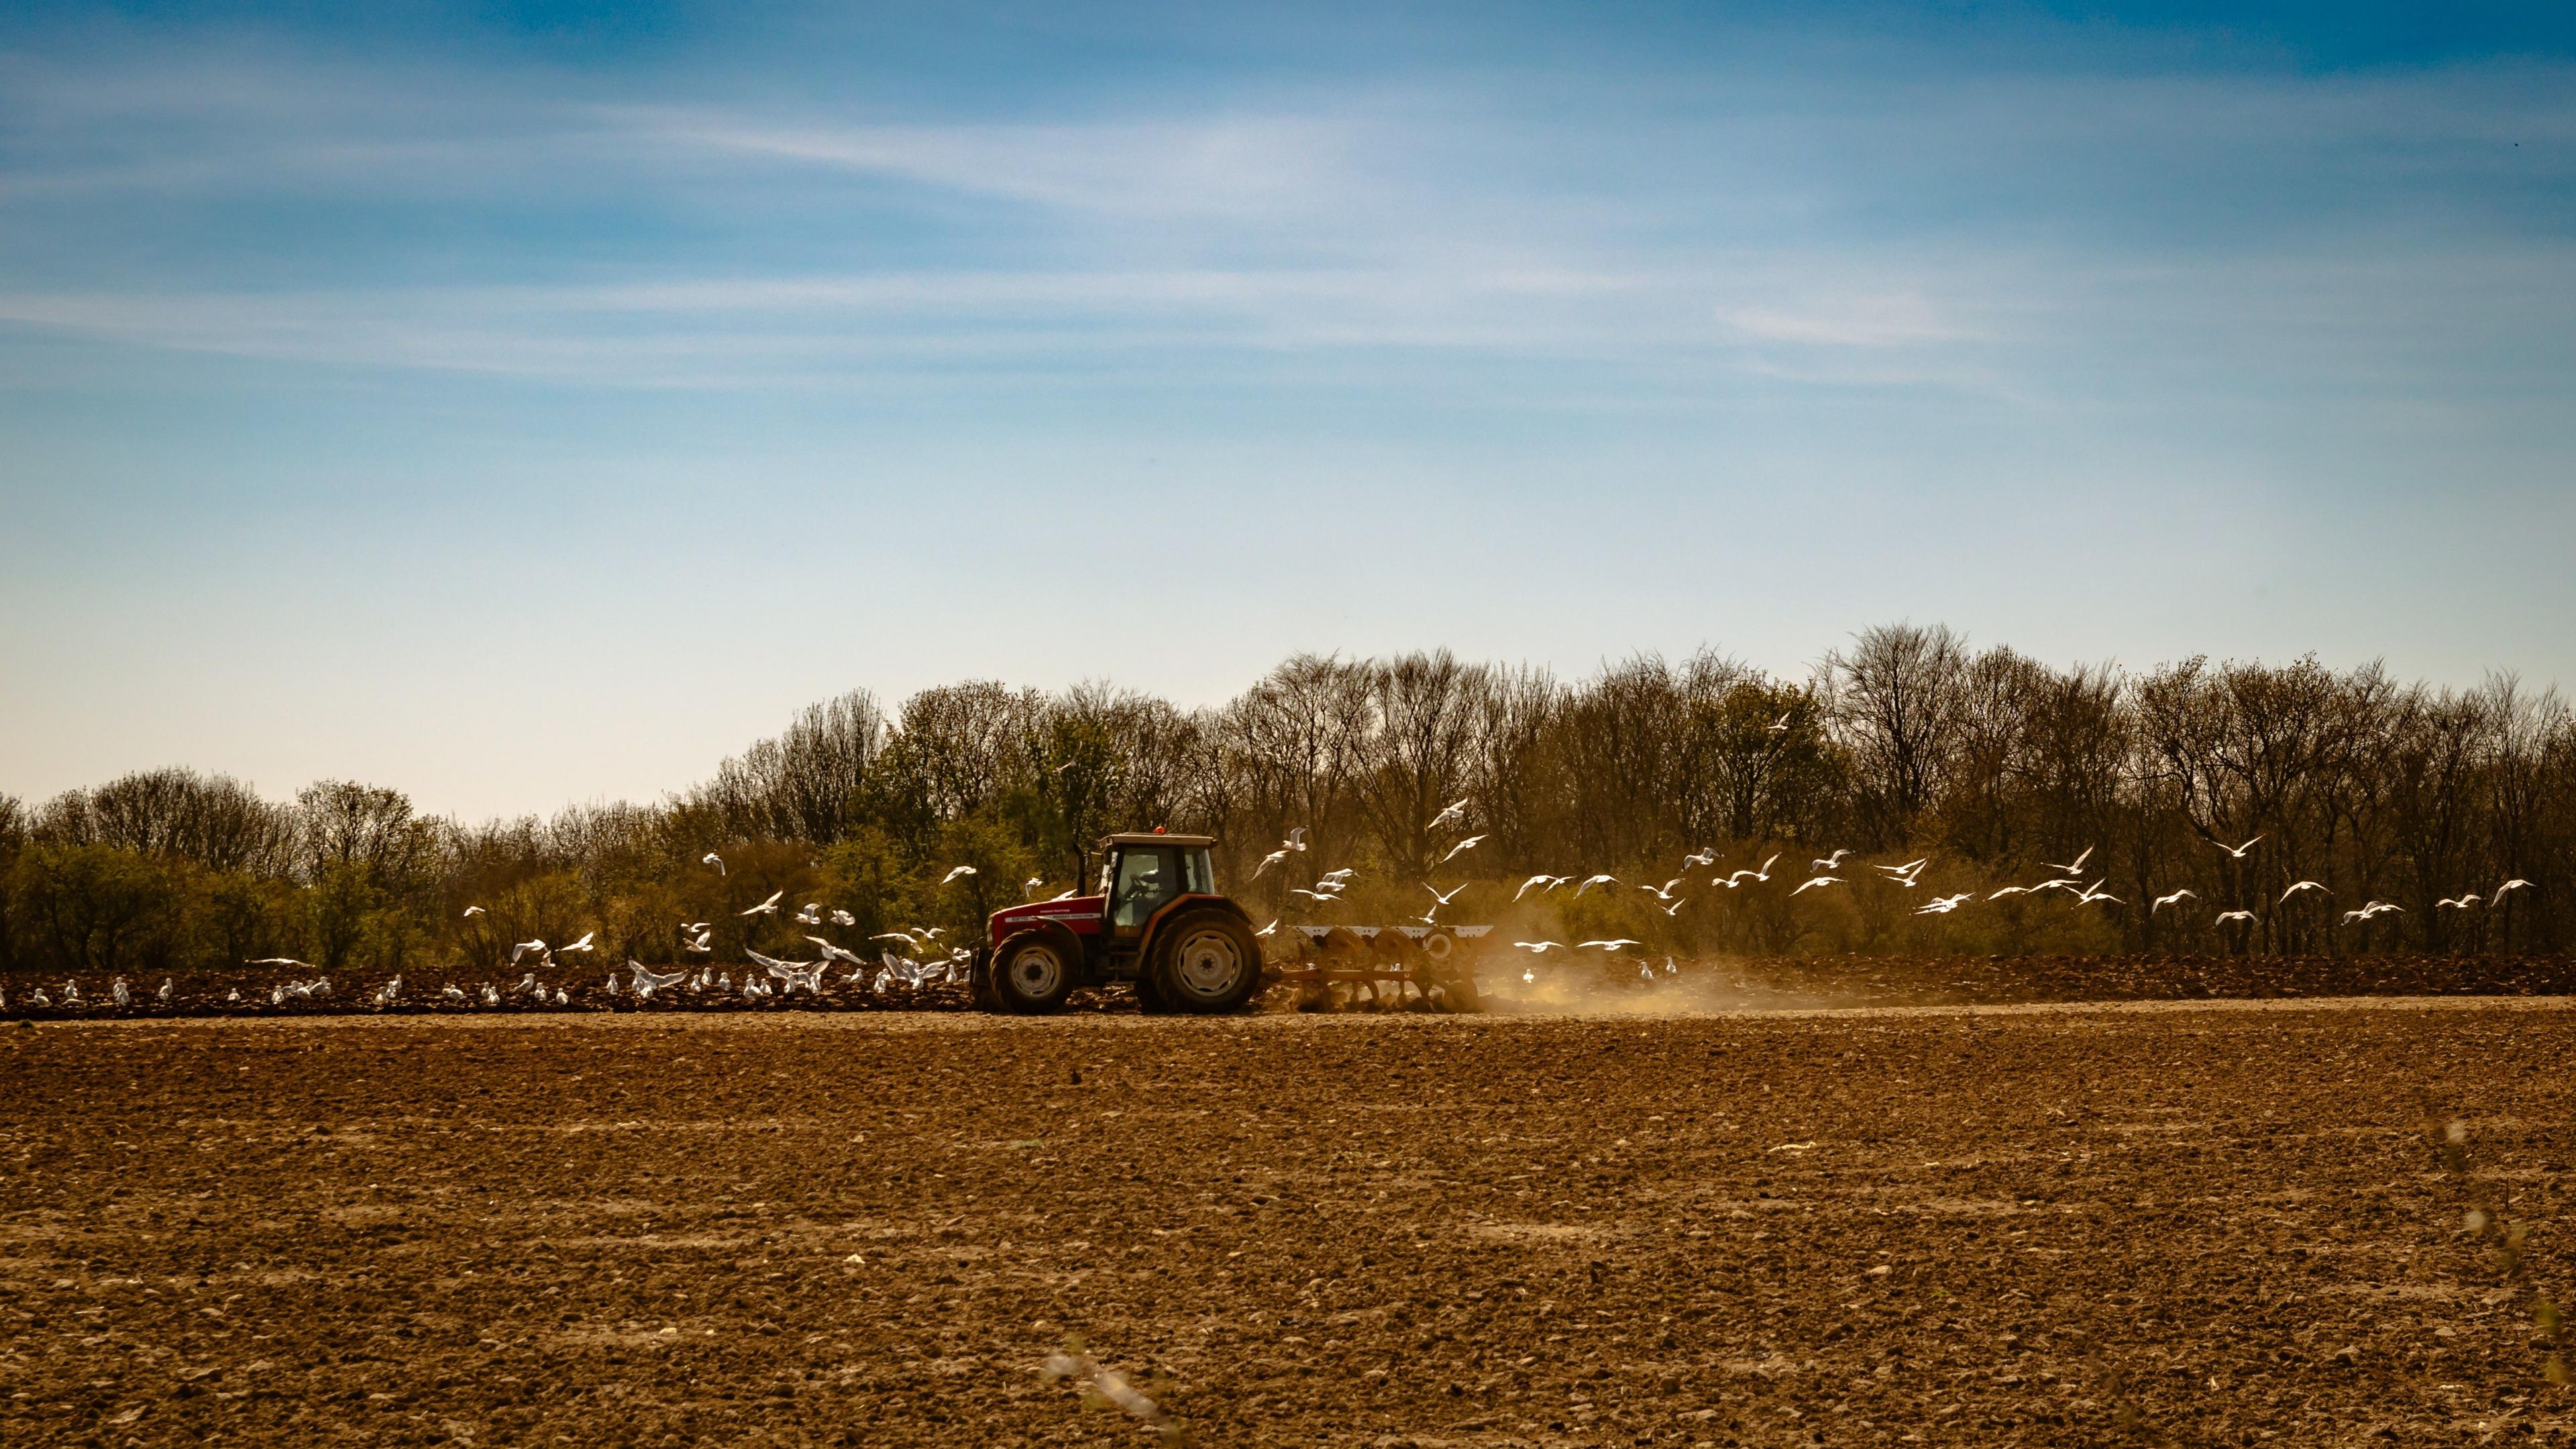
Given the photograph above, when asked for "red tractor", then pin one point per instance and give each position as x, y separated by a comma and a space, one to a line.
1158, 922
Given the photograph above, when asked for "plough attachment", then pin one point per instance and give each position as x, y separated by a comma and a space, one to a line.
1384, 968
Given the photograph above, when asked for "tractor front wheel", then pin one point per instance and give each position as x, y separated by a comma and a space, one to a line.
1030, 975
1208, 963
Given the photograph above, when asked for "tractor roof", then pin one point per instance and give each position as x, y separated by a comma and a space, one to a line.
1153, 837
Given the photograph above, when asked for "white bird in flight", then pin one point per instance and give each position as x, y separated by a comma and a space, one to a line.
2094, 892
962, 870
2305, 885
1540, 948
1296, 839
1317, 896
2175, 899
524, 947
768, 907
711, 858
1705, 855
2237, 851
1267, 861
1941, 905
2074, 867
1542, 878
1457, 810
1606, 945
844, 918
1591, 881
2516, 884
280, 961
1662, 892
1822, 880
1779, 726
2461, 903
1470, 843
1829, 864
1444, 900
472, 911
581, 945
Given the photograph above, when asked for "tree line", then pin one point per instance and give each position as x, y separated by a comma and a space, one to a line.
1906, 743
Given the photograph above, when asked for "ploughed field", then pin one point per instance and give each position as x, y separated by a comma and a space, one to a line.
2218, 1223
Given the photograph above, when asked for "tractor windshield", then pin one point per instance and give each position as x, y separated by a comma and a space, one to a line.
1145, 882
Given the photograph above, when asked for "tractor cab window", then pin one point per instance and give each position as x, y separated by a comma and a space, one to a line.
1198, 877
1145, 881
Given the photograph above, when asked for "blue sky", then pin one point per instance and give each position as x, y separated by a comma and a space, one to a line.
524, 404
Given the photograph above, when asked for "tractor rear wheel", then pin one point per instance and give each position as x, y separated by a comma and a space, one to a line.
1206, 964
1030, 975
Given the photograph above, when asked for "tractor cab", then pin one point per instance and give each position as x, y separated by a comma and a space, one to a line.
1157, 921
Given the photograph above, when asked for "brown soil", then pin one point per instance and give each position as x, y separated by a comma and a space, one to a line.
2008, 1226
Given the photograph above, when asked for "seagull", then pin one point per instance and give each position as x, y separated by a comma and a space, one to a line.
1591, 881
1606, 945
2176, 898
904, 936
1540, 948
2305, 885
1444, 900
2237, 851
1341, 877
451, 992
2094, 892
1542, 878
844, 918
2516, 884
581, 945
472, 911
1779, 726
1675, 907
1066, 896
116, 991
1268, 929
1822, 880
2460, 904
491, 997
2060, 884
1028, 887
812, 915
1705, 855
1941, 905
1764, 874
281, 961
768, 907
1296, 839
702, 945
834, 953
2246, 916
1908, 875
164, 992
1267, 861
711, 858
2369, 910
1319, 897
1829, 864
2010, 891
1457, 811
524, 947
1470, 843
954, 873
1662, 892
2075, 867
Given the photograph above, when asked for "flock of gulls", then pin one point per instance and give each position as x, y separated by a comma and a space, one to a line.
925, 961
